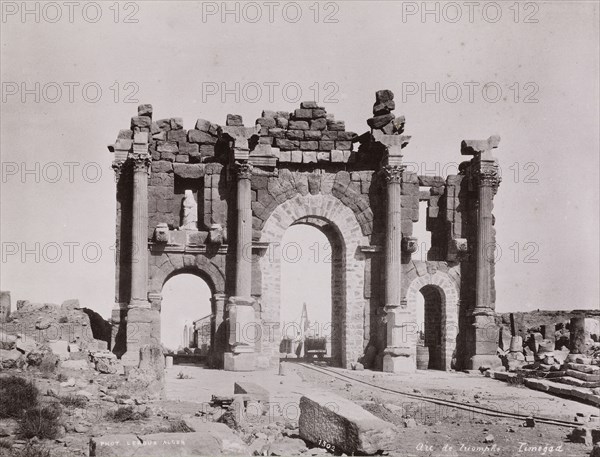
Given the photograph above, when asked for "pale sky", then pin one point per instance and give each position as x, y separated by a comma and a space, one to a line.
547, 205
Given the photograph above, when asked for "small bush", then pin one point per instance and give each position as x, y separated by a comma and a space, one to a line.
73, 401
41, 421
181, 375
16, 395
176, 426
61, 377
48, 364
6, 443
126, 413
33, 450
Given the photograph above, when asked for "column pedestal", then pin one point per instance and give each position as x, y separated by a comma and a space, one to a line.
243, 331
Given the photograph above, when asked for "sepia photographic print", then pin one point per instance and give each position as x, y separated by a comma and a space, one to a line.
300, 228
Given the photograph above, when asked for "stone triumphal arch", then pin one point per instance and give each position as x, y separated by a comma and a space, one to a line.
216, 200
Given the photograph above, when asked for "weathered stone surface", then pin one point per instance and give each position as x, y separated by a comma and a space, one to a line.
344, 424
141, 121
336, 125
198, 136
234, 120
195, 170
253, 390
298, 125
11, 358
378, 122
210, 439
318, 124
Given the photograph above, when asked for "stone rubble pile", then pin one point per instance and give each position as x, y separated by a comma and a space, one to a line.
48, 336
383, 119
572, 371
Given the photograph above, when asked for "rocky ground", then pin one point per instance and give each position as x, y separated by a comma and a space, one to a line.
90, 400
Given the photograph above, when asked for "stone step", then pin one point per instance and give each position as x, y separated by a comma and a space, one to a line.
552, 387
583, 376
576, 382
592, 369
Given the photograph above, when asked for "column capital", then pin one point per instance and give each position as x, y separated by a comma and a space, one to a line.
243, 170
117, 167
486, 174
392, 173
141, 162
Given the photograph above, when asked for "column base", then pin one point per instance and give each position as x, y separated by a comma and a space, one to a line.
399, 364
143, 327
484, 360
245, 361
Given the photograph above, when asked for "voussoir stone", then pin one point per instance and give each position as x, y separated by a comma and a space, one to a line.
343, 424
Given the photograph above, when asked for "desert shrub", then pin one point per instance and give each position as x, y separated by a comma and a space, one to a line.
6, 443
73, 401
33, 450
126, 413
48, 364
16, 395
176, 426
41, 421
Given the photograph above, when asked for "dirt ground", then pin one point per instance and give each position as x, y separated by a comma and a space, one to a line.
424, 428
436, 430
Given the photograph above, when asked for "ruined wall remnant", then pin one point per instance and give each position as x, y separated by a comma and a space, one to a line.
249, 184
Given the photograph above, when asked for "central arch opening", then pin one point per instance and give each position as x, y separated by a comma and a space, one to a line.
311, 282
429, 320
186, 314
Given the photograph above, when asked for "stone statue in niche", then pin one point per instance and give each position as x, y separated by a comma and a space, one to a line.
190, 212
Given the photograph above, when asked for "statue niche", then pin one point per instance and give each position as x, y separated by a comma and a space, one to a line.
189, 219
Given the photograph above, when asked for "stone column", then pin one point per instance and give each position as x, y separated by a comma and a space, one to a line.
4, 305
578, 338
398, 355
486, 179
242, 323
142, 320
139, 234
243, 252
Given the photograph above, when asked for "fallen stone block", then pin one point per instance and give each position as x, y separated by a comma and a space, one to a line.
343, 424
75, 364
537, 384
60, 348
254, 391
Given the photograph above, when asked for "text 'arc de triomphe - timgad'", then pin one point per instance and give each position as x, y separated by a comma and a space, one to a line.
215, 201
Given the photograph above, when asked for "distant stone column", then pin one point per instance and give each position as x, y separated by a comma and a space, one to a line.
577, 335
218, 341
4, 305
398, 355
